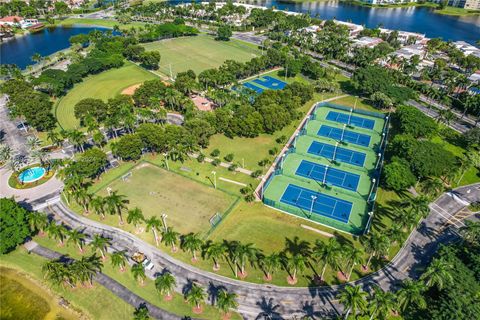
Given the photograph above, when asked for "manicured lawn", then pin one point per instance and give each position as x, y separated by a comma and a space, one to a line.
101, 86
96, 303
454, 11
199, 53
356, 102
188, 204
148, 292
99, 22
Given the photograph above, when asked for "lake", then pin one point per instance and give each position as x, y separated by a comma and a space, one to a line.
422, 20
45, 42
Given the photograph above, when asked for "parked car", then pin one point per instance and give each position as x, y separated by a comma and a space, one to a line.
140, 257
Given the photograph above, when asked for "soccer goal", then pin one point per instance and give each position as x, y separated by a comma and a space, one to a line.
126, 176
215, 219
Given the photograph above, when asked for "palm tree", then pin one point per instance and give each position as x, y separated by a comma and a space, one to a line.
98, 205
353, 299
226, 301
57, 232
470, 160
55, 138
412, 292
58, 273
471, 232
83, 198
33, 143
270, 264
214, 251
329, 253
5, 153
86, 268
138, 272
192, 242
438, 274
77, 238
100, 243
246, 253
119, 259
295, 264
77, 138
195, 296
154, 224
376, 245
432, 186
38, 222
396, 233
165, 284
381, 304
170, 238
115, 204
353, 257
135, 216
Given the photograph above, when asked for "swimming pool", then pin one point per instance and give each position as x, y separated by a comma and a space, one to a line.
31, 174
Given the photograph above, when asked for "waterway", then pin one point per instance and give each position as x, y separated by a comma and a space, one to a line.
20, 50
415, 19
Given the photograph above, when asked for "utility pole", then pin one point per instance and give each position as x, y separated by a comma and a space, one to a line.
214, 179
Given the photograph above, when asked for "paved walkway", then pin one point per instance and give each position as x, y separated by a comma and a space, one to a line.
279, 302
116, 288
9, 131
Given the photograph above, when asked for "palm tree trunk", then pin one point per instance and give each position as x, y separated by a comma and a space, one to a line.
350, 272
370, 258
323, 271
120, 218
155, 236
348, 312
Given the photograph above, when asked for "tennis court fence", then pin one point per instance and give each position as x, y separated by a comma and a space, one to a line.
331, 223
357, 111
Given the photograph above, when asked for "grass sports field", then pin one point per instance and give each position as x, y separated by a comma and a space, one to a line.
188, 204
326, 175
199, 53
101, 86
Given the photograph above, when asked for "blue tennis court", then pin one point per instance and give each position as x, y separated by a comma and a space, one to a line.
341, 154
270, 83
319, 203
344, 135
328, 175
351, 120
253, 87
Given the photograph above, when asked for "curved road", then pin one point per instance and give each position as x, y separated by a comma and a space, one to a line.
257, 301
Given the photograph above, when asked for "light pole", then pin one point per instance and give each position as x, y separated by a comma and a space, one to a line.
263, 184
371, 190
379, 159
295, 140
214, 179
313, 201
282, 160
164, 220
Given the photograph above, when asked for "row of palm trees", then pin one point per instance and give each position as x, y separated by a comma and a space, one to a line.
379, 304
70, 272
344, 257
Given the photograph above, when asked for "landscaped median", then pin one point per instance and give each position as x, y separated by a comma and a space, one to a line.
146, 290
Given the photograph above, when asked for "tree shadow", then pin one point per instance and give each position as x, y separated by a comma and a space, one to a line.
213, 291
297, 246
269, 310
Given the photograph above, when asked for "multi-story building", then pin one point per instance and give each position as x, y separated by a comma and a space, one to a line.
465, 4
380, 2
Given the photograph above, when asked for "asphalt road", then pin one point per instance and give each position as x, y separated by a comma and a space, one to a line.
284, 302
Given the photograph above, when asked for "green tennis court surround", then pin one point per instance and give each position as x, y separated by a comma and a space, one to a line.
331, 170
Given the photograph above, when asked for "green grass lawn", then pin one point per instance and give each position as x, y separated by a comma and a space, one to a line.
148, 292
95, 303
101, 86
188, 204
454, 11
199, 53
99, 22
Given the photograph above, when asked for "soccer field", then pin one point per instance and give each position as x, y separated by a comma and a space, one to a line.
188, 204
199, 53
103, 86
